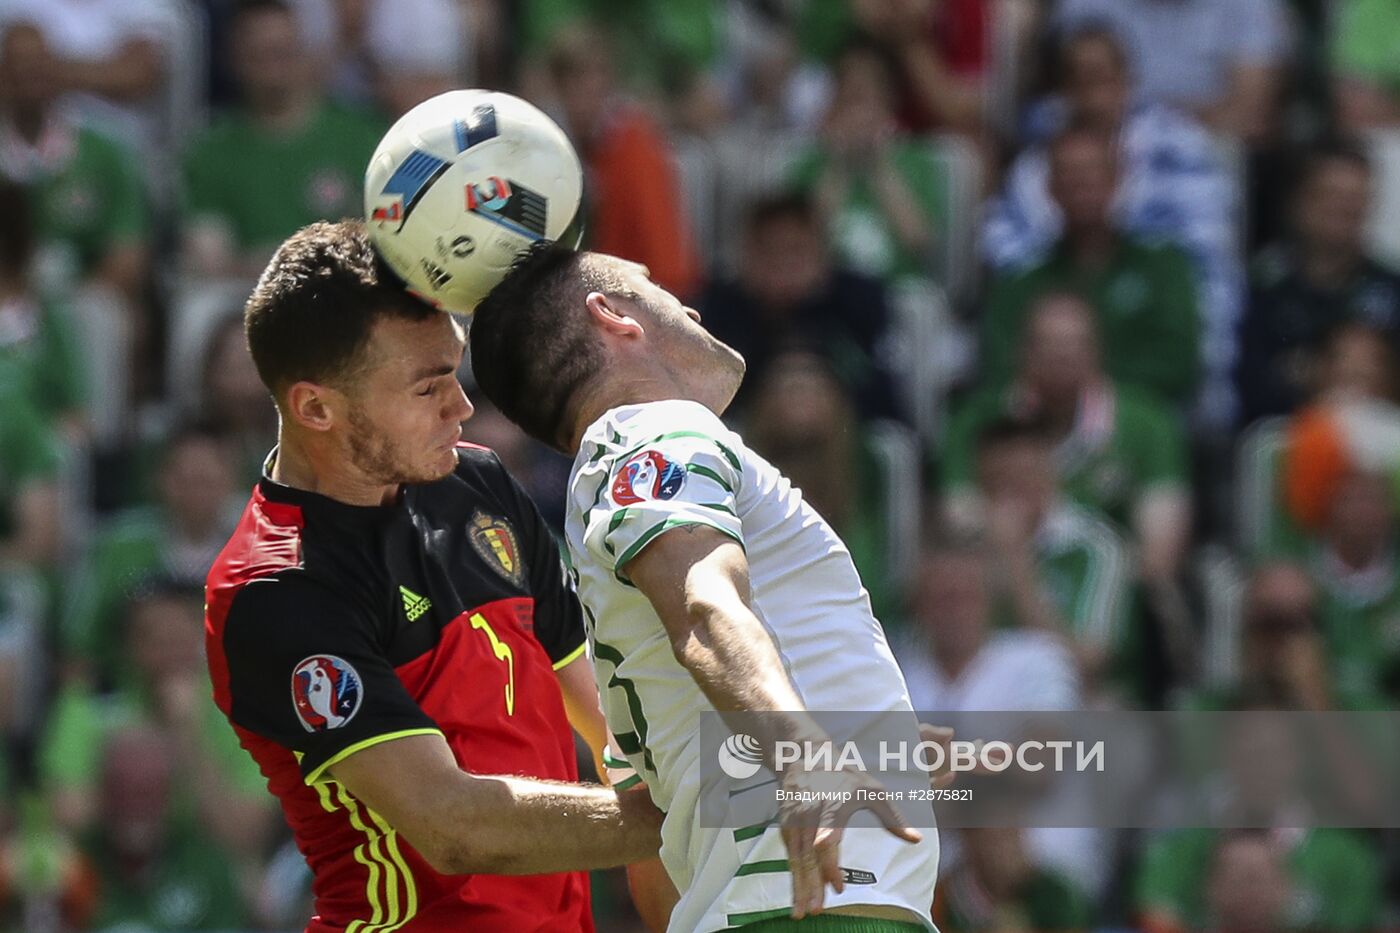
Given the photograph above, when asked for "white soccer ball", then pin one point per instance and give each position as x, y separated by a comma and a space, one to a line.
461, 185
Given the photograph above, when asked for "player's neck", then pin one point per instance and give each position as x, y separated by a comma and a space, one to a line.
326, 473
646, 389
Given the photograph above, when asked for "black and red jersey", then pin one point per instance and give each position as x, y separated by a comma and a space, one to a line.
332, 627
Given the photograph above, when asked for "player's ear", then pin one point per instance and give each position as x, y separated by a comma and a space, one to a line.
307, 406
610, 314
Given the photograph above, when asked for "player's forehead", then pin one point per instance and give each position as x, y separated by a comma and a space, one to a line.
397, 342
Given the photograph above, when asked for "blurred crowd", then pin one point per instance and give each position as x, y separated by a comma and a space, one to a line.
1076, 318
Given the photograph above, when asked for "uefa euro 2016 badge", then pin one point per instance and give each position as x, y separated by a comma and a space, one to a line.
647, 476
494, 541
326, 692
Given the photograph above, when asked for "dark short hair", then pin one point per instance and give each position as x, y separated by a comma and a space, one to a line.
1317, 157
1095, 30
531, 346
245, 8
310, 316
790, 205
17, 232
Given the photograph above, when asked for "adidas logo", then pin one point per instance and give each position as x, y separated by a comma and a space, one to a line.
414, 605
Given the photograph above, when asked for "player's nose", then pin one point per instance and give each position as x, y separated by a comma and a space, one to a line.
462, 407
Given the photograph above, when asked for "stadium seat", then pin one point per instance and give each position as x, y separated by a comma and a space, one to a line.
932, 351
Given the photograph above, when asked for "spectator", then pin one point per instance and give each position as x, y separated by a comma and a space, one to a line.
1291, 465
419, 50
1334, 875
1220, 60
39, 351
1356, 565
1118, 451
163, 687
1175, 186
956, 661
941, 50
999, 886
284, 158
635, 208
1365, 71
788, 292
157, 870
1317, 280
668, 42
880, 193
90, 213
32, 510
108, 57
234, 403
802, 420
179, 537
1144, 294
1065, 570
1248, 887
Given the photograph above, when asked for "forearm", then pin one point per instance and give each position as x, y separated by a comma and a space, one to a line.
902, 208
517, 826
1162, 526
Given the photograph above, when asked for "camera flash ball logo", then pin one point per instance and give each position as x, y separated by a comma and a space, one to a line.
740, 756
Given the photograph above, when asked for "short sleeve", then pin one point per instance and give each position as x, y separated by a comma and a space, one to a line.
558, 615
305, 671
687, 477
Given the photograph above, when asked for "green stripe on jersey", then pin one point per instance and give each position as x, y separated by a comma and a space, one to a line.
701, 470
770, 866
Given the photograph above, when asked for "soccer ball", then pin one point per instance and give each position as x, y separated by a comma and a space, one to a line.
461, 185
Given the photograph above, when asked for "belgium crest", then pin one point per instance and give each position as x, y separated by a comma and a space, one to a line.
495, 541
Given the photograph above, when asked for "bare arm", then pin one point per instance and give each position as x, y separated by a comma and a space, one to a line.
697, 579
465, 823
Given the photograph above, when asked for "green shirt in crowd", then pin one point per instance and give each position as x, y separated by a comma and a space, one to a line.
1337, 877
1146, 305
29, 453
134, 545
1085, 571
264, 185
662, 41
191, 888
1359, 616
71, 747
862, 236
88, 202
1366, 42
1124, 443
41, 358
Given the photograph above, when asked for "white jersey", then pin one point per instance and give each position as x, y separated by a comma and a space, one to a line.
641, 470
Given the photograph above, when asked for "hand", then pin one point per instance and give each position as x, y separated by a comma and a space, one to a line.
812, 829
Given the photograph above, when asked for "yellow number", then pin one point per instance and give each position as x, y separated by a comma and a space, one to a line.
503, 653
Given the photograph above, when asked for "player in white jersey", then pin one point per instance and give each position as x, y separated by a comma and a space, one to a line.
709, 584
